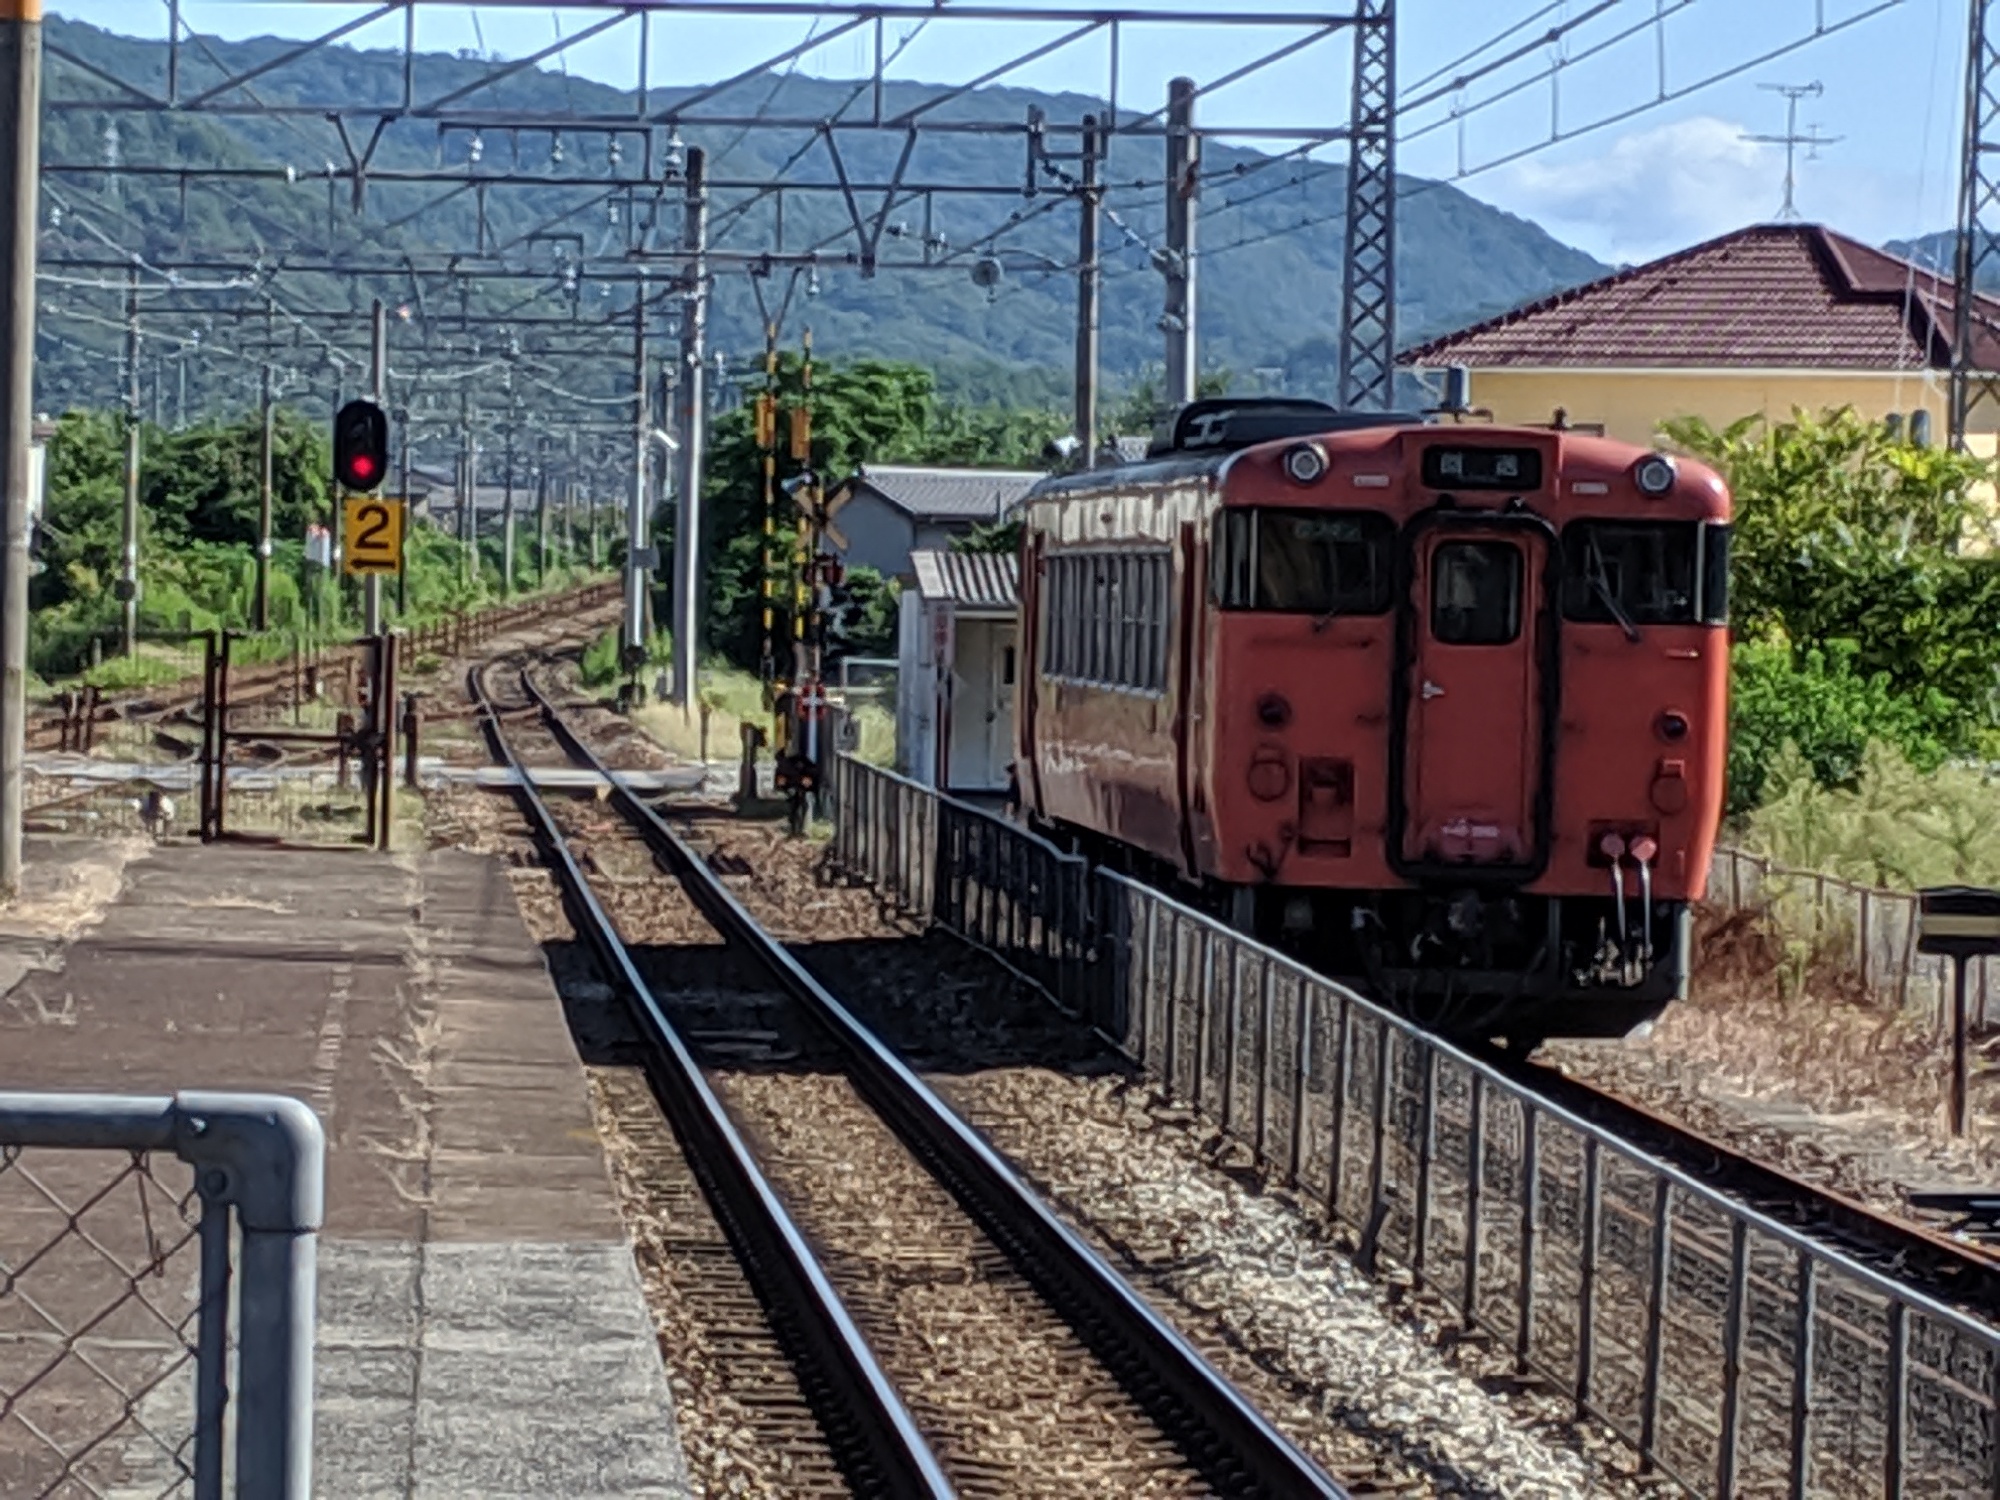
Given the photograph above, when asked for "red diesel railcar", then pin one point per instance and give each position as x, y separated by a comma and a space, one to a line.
1440, 707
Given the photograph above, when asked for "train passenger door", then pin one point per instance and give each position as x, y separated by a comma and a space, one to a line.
1478, 652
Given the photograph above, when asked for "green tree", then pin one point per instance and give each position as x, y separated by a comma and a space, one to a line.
1864, 562
873, 411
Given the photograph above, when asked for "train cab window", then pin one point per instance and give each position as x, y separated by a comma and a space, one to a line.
1316, 562
1633, 573
1475, 593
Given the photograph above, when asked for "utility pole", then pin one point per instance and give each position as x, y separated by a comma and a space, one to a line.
378, 380
468, 491
1089, 283
507, 496
405, 460
1177, 261
693, 421
1975, 385
128, 577
20, 169
1368, 262
264, 503
1791, 140
636, 562
542, 515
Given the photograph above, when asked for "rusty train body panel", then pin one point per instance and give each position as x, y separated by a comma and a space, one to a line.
1443, 707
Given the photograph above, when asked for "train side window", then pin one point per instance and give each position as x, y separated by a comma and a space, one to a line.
1475, 593
1099, 666
1631, 572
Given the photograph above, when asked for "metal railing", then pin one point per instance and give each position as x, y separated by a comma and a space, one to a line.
1870, 929
1735, 1355
149, 1248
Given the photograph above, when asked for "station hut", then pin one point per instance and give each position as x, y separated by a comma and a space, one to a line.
956, 667
889, 512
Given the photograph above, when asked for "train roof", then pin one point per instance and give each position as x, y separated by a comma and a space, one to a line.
1197, 439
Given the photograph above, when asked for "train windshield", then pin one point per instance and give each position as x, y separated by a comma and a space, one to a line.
1315, 562
1634, 573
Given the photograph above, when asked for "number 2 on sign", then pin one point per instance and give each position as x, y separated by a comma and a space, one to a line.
373, 529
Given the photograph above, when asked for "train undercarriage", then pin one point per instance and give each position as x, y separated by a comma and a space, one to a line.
1469, 962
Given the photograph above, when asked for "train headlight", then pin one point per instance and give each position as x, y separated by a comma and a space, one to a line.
1654, 474
1305, 463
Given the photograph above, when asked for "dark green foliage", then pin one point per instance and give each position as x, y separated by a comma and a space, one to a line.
873, 411
1862, 611
993, 536
198, 502
1829, 711
873, 614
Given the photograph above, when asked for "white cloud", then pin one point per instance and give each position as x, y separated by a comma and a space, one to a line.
1652, 191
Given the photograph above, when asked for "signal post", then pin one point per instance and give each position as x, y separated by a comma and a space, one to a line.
371, 530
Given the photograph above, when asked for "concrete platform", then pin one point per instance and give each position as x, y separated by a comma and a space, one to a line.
482, 1328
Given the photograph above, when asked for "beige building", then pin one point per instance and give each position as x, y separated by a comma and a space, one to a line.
1766, 319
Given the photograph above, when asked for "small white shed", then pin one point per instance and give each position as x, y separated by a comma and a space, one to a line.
956, 659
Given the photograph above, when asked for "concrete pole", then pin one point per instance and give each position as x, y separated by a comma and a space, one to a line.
378, 382
1089, 282
636, 528
20, 167
406, 458
468, 486
1183, 185
692, 423
542, 516
264, 504
507, 503
128, 576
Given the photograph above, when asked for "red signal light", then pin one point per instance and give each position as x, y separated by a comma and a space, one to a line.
360, 445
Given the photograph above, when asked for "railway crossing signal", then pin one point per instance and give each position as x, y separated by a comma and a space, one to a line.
360, 446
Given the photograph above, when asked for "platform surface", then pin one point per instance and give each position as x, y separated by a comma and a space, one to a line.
482, 1331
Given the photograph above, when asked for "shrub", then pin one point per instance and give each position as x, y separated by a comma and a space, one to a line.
1829, 712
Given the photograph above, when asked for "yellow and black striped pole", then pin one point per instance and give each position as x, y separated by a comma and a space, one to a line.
767, 441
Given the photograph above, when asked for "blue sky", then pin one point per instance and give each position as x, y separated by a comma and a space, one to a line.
1667, 176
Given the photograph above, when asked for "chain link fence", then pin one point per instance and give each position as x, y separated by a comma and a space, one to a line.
1734, 1355
157, 1276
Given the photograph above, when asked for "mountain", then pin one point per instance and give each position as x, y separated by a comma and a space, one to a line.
1938, 252
1270, 237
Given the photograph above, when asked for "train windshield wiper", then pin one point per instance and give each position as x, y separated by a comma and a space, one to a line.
1600, 584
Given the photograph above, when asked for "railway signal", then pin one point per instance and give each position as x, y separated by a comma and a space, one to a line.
360, 446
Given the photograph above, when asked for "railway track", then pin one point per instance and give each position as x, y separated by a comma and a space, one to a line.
1961, 1273
1020, 1358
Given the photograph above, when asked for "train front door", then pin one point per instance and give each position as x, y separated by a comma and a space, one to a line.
1477, 635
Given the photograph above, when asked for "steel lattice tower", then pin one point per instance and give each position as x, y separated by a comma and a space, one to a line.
1978, 247
1368, 283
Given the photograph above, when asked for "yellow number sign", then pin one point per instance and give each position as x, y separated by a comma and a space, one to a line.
372, 533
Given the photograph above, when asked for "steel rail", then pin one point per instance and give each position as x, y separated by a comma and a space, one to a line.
1238, 1450
872, 1432
1967, 1275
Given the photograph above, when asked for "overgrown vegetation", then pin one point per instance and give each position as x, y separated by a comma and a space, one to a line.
198, 519
878, 411
1864, 599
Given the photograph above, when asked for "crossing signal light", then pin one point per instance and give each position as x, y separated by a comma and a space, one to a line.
360, 446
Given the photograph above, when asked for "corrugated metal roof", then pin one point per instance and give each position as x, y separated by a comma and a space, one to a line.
948, 494
1788, 296
971, 580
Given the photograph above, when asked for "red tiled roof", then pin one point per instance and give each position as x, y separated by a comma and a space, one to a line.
1788, 296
